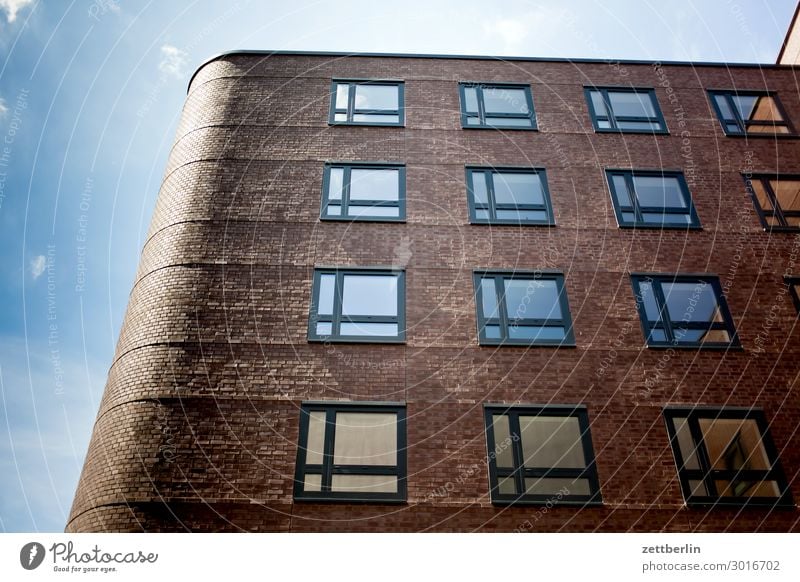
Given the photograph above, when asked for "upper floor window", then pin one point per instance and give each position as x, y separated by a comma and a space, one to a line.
750, 113
651, 199
793, 284
683, 311
358, 305
499, 105
625, 109
366, 103
358, 191
540, 454
508, 196
523, 308
777, 200
726, 457
351, 452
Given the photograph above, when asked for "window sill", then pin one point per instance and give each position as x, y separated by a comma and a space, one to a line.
356, 340
634, 131
523, 344
354, 219
371, 124
352, 499
500, 127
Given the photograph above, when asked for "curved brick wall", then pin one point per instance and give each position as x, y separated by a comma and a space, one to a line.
198, 425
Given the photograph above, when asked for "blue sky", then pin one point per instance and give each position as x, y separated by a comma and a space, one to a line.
90, 94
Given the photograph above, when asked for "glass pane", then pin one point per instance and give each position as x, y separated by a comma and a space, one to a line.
698, 488
793, 221
506, 486
628, 217
369, 295
523, 215
659, 191
648, 299
488, 298
327, 284
481, 214
639, 125
479, 188
378, 211
657, 335
377, 97
685, 443
374, 184
502, 442
369, 329
532, 299
509, 121
724, 107
315, 446
757, 108
787, 192
628, 104
333, 210
733, 444
473, 121
761, 194
621, 191
691, 302
470, 100
551, 442
340, 117
342, 92
492, 331
554, 486
505, 100
312, 483
369, 118
744, 488
536, 333
733, 128
335, 180
603, 124
767, 129
668, 219
365, 438
598, 104
324, 328
364, 483
517, 188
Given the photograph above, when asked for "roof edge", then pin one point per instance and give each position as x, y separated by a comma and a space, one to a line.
482, 58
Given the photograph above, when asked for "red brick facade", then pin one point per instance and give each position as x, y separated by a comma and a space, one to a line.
198, 426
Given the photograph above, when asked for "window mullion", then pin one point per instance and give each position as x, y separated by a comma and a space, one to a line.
516, 451
327, 455
337, 304
777, 211
612, 119
346, 190
637, 209
351, 101
663, 311
701, 454
489, 179
502, 313
481, 108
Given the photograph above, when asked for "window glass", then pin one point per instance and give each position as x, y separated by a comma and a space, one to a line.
502, 100
365, 439
497, 105
551, 442
531, 299
369, 295
788, 193
374, 184
691, 302
326, 291
658, 191
629, 104
510, 188
377, 97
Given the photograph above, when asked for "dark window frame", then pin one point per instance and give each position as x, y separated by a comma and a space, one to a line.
707, 475
519, 472
656, 279
351, 109
777, 212
481, 115
492, 206
614, 119
637, 209
790, 283
743, 124
503, 320
327, 469
336, 318
345, 201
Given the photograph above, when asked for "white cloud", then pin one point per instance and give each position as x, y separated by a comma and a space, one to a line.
173, 60
11, 7
3, 107
534, 31
38, 265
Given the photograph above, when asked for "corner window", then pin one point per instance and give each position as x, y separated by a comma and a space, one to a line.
522, 308
498, 105
351, 452
726, 457
793, 284
364, 192
624, 109
750, 113
651, 199
540, 455
508, 196
366, 103
358, 305
777, 200
683, 311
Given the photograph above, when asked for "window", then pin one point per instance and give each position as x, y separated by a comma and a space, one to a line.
624, 109
777, 200
508, 196
359, 305
651, 199
366, 103
725, 457
793, 283
498, 105
540, 454
750, 113
364, 192
351, 452
683, 311
522, 307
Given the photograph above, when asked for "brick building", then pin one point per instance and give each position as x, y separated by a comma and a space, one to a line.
434, 293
